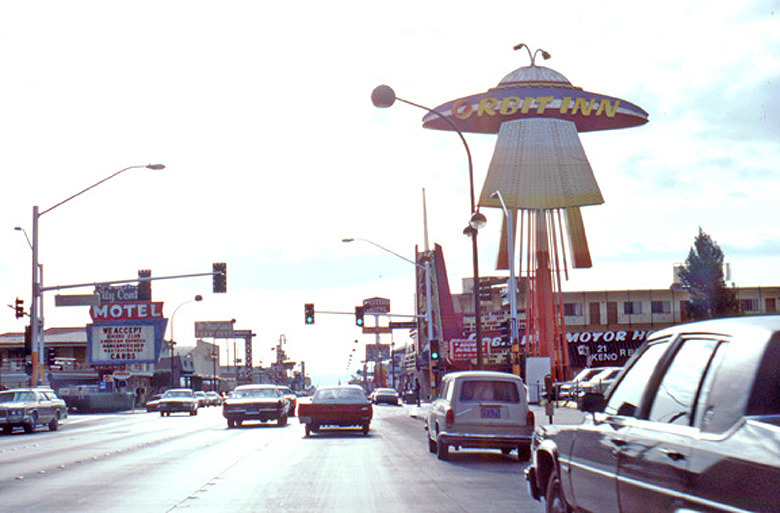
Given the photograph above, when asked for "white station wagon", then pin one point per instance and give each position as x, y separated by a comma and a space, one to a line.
480, 409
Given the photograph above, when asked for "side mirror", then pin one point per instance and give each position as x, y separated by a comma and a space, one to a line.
591, 402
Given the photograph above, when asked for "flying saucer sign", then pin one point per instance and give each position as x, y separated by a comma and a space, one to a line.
536, 92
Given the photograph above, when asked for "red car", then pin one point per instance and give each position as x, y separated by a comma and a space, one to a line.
337, 406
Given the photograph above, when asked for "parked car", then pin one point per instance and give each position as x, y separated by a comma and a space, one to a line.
151, 404
255, 402
213, 399
292, 400
480, 409
336, 406
30, 407
202, 399
385, 395
601, 381
692, 424
570, 389
178, 400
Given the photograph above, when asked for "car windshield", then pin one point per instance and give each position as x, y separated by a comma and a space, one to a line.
339, 395
488, 390
16, 397
178, 393
257, 392
286, 390
385, 391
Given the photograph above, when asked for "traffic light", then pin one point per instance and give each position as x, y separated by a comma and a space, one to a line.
28, 340
219, 277
51, 355
19, 308
506, 330
309, 310
434, 350
359, 316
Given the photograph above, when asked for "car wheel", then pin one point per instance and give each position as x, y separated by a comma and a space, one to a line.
307, 429
315, 428
231, 423
54, 423
523, 452
193, 412
239, 423
554, 500
366, 427
431, 446
442, 450
281, 421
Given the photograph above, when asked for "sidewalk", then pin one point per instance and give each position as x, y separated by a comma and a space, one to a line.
561, 414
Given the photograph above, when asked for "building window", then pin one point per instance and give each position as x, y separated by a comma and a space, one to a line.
632, 307
660, 307
572, 309
770, 305
748, 305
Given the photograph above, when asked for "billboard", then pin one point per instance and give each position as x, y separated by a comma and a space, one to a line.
126, 332
128, 341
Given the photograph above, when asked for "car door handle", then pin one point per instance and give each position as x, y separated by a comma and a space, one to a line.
672, 454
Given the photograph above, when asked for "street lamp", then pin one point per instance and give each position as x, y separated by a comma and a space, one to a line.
512, 286
383, 97
36, 303
173, 340
426, 268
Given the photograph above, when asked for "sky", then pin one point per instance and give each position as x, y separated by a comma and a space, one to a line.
274, 153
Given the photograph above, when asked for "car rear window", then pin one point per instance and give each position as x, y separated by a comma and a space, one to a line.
257, 392
765, 396
489, 390
339, 395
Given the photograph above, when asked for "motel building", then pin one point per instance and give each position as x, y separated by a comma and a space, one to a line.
602, 327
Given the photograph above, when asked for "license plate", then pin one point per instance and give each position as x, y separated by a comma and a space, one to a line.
490, 413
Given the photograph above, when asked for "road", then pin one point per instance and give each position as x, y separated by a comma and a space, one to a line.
139, 461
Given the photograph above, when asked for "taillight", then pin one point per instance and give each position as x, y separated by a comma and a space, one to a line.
530, 420
449, 417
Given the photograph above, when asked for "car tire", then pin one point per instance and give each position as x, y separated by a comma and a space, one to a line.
431, 446
442, 450
54, 423
193, 412
366, 427
281, 421
554, 501
307, 429
239, 423
523, 452
231, 423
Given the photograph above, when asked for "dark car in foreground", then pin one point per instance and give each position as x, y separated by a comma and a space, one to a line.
336, 407
30, 407
178, 400
255, 402
691, 424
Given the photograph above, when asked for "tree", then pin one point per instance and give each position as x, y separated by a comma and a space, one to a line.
702, 275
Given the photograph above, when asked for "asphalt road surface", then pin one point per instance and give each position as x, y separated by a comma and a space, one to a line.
141, 462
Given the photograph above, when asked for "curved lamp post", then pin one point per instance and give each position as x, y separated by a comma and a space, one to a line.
383, 97
428, 302
173, 340
36, 303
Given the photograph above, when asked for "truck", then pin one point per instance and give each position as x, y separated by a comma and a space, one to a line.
336, 406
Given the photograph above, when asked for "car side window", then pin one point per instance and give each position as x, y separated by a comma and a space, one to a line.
765, 396
627, 395
676, 395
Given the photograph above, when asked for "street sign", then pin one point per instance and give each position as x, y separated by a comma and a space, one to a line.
406, 325
214, 329
77, 300
376, 329
376, 305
